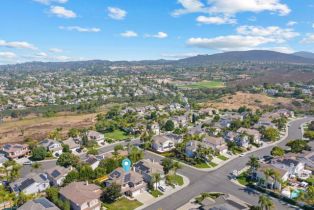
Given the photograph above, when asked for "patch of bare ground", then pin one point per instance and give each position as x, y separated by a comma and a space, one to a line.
252, 101
38, 127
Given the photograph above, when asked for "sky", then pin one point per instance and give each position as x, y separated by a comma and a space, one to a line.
66, 30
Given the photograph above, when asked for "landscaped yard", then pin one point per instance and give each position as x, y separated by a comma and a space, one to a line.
243, 178
212, 164
123, 204
203, 84
175, 179
221, 157
117, 135
202, 165
156, 193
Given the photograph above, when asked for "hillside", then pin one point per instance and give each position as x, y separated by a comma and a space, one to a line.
304, 54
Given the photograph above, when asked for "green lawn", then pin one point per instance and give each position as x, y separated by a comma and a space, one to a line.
203, 84
212, 164
156, 193
202, 165
242, 178
221, 157
123, 204
117, 135
175, 179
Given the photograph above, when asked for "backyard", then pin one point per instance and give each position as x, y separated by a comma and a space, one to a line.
123, 204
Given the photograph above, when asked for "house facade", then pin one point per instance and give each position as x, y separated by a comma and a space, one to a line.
53, 146
14, 151
33, 183
165, 142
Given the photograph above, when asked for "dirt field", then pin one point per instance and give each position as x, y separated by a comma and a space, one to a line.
38, 127
253, 101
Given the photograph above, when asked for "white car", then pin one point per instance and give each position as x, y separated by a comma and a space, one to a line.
28, 163
161, 188
241, 155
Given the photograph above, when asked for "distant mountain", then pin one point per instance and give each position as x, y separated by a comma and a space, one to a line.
200, 60
250, 56
304, 54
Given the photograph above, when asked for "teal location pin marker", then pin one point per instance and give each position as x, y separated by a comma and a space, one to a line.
126, 165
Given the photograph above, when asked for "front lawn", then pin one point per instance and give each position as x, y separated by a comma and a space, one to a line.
123, 204
212, 164
243, 178
175, 179
156, 193
221, 157
117, 135
202, 165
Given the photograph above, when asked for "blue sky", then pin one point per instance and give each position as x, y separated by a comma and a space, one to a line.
62, 30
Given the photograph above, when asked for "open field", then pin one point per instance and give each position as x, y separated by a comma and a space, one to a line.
202, 84
253, 101
117, 135
38, 127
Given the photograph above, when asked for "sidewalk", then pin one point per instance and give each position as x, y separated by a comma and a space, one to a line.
166, 194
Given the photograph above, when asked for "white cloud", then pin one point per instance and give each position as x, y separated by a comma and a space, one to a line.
55, 50
51, 1
62, 12
309, 39
129, 34
189, 6
79, 29
17, 44
159, 35
231, 42
313, 25
7, 55
42, 55
288, 50
215, 20
231, 7
275, 32
291, 23
116, 13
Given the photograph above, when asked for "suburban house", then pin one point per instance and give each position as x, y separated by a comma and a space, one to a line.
3, 159
224, 202
13, 151
294, 167
285, 113
96, 136
243, 140
230, 136
53, 146
179, 121
33, 183
216, 143
132, 182
165, 142
82, 195
73, 143
191, 147
93, 161
255, 134
155, 128
271, 182
147, 168
197, 130
38, 204
57, 174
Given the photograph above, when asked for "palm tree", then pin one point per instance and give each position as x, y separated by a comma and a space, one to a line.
175, 167
269, 172
36, 165
156, 179
265, 202
253, 164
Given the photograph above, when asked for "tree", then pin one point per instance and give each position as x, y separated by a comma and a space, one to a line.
118, 147
309, 134
269, 172
39, 153
277, 151
176, 166
109, 164
85, 140
271, 134
136, 154
86, 172
297, 146
66, 148
36, 165
169, 126
112, 193
167, 164
73, 132
21, 199
265, 202
253, 164
156, 179
68, 159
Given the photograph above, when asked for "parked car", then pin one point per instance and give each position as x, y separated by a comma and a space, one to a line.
28, 163
161, 188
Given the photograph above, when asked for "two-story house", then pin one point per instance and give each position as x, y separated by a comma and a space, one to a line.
165, 142
13, 151
57, 174
96, 136
82, 195
32, 183
53, 146
147, 168
254, 134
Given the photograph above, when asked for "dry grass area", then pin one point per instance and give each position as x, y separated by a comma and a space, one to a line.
38, 127
253, 101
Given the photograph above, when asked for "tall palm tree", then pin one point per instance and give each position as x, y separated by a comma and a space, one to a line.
176, 166
265, 202
156, 179
269, 172
253, 164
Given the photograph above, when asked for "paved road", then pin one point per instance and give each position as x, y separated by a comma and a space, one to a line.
218, 181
